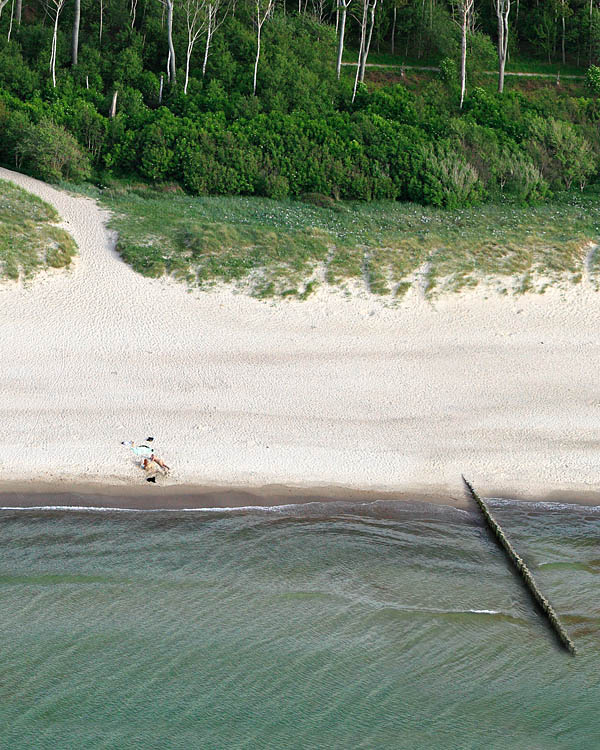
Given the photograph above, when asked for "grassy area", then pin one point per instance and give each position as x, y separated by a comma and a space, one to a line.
28, 241
289, 248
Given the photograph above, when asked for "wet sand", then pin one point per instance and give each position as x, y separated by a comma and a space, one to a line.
172, 497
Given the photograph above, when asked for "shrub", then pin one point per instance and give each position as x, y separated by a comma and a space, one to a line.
561, 153
275, 186
521, 177
48, 151
448, 180
592, 79
448, 71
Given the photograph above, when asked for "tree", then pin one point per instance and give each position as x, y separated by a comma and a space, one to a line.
369, 7
171, 67
342, 8
263, 10
215, 14
54, 8
193, 10
75, 37
2, 4
367, 46
502, 8
465, 8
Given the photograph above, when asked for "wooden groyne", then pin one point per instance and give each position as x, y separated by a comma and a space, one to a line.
524, 571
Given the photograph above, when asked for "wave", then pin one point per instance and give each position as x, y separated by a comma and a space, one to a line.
542, 505
110, 509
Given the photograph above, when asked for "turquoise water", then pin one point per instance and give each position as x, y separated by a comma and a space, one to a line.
322, 626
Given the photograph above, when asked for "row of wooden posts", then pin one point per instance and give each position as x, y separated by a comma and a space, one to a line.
523, 571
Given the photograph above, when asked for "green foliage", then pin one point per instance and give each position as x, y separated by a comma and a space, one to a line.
449, 181
592, 79
563, 154
302, 133
48, 151
449, 71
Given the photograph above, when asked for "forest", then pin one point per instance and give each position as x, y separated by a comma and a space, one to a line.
281, 99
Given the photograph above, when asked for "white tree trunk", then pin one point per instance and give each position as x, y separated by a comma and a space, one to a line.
343, 7
12, 15
53, 49
257, 58
188, 55
113, 106
367, 46
75, 37
209, 34
502, 8
172, 67
466, 7
133, 11
363, 30
263, 12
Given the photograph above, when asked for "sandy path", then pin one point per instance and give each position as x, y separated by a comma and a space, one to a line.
330, 391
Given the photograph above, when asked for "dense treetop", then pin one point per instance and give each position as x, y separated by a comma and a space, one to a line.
244, 96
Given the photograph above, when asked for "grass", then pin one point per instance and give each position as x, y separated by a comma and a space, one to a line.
28, 240
289, 248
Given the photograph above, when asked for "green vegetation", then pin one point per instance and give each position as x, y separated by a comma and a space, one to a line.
319, 178
28, 241
289, 248
126, 104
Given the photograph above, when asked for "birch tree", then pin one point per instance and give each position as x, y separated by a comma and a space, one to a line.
367, 45
215, 13
75, 36
262, 12
194, 12
171, 67
12, 16
133, 11
3, 3
502, 8
465, 8
363, 33
342, 9
54, 9
368, 12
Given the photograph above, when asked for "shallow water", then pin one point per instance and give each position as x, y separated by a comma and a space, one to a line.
318, 626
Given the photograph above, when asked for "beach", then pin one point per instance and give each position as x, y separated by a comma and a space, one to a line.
339, 391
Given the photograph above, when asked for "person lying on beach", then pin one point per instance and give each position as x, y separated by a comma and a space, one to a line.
146, 455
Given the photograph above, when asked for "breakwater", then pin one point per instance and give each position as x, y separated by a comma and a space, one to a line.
523, 571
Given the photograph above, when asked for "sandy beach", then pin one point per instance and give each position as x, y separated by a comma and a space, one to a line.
338, 391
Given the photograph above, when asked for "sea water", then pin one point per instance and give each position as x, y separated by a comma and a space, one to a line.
319, 626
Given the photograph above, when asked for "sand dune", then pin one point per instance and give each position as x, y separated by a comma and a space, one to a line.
332, 391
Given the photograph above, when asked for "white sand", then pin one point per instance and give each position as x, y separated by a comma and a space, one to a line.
332, 391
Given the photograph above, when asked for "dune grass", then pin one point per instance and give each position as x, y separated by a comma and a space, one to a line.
28, 240
288, 248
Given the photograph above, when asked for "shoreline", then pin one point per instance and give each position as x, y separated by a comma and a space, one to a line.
189, 497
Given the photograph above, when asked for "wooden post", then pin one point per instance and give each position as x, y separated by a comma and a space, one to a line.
524, 571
